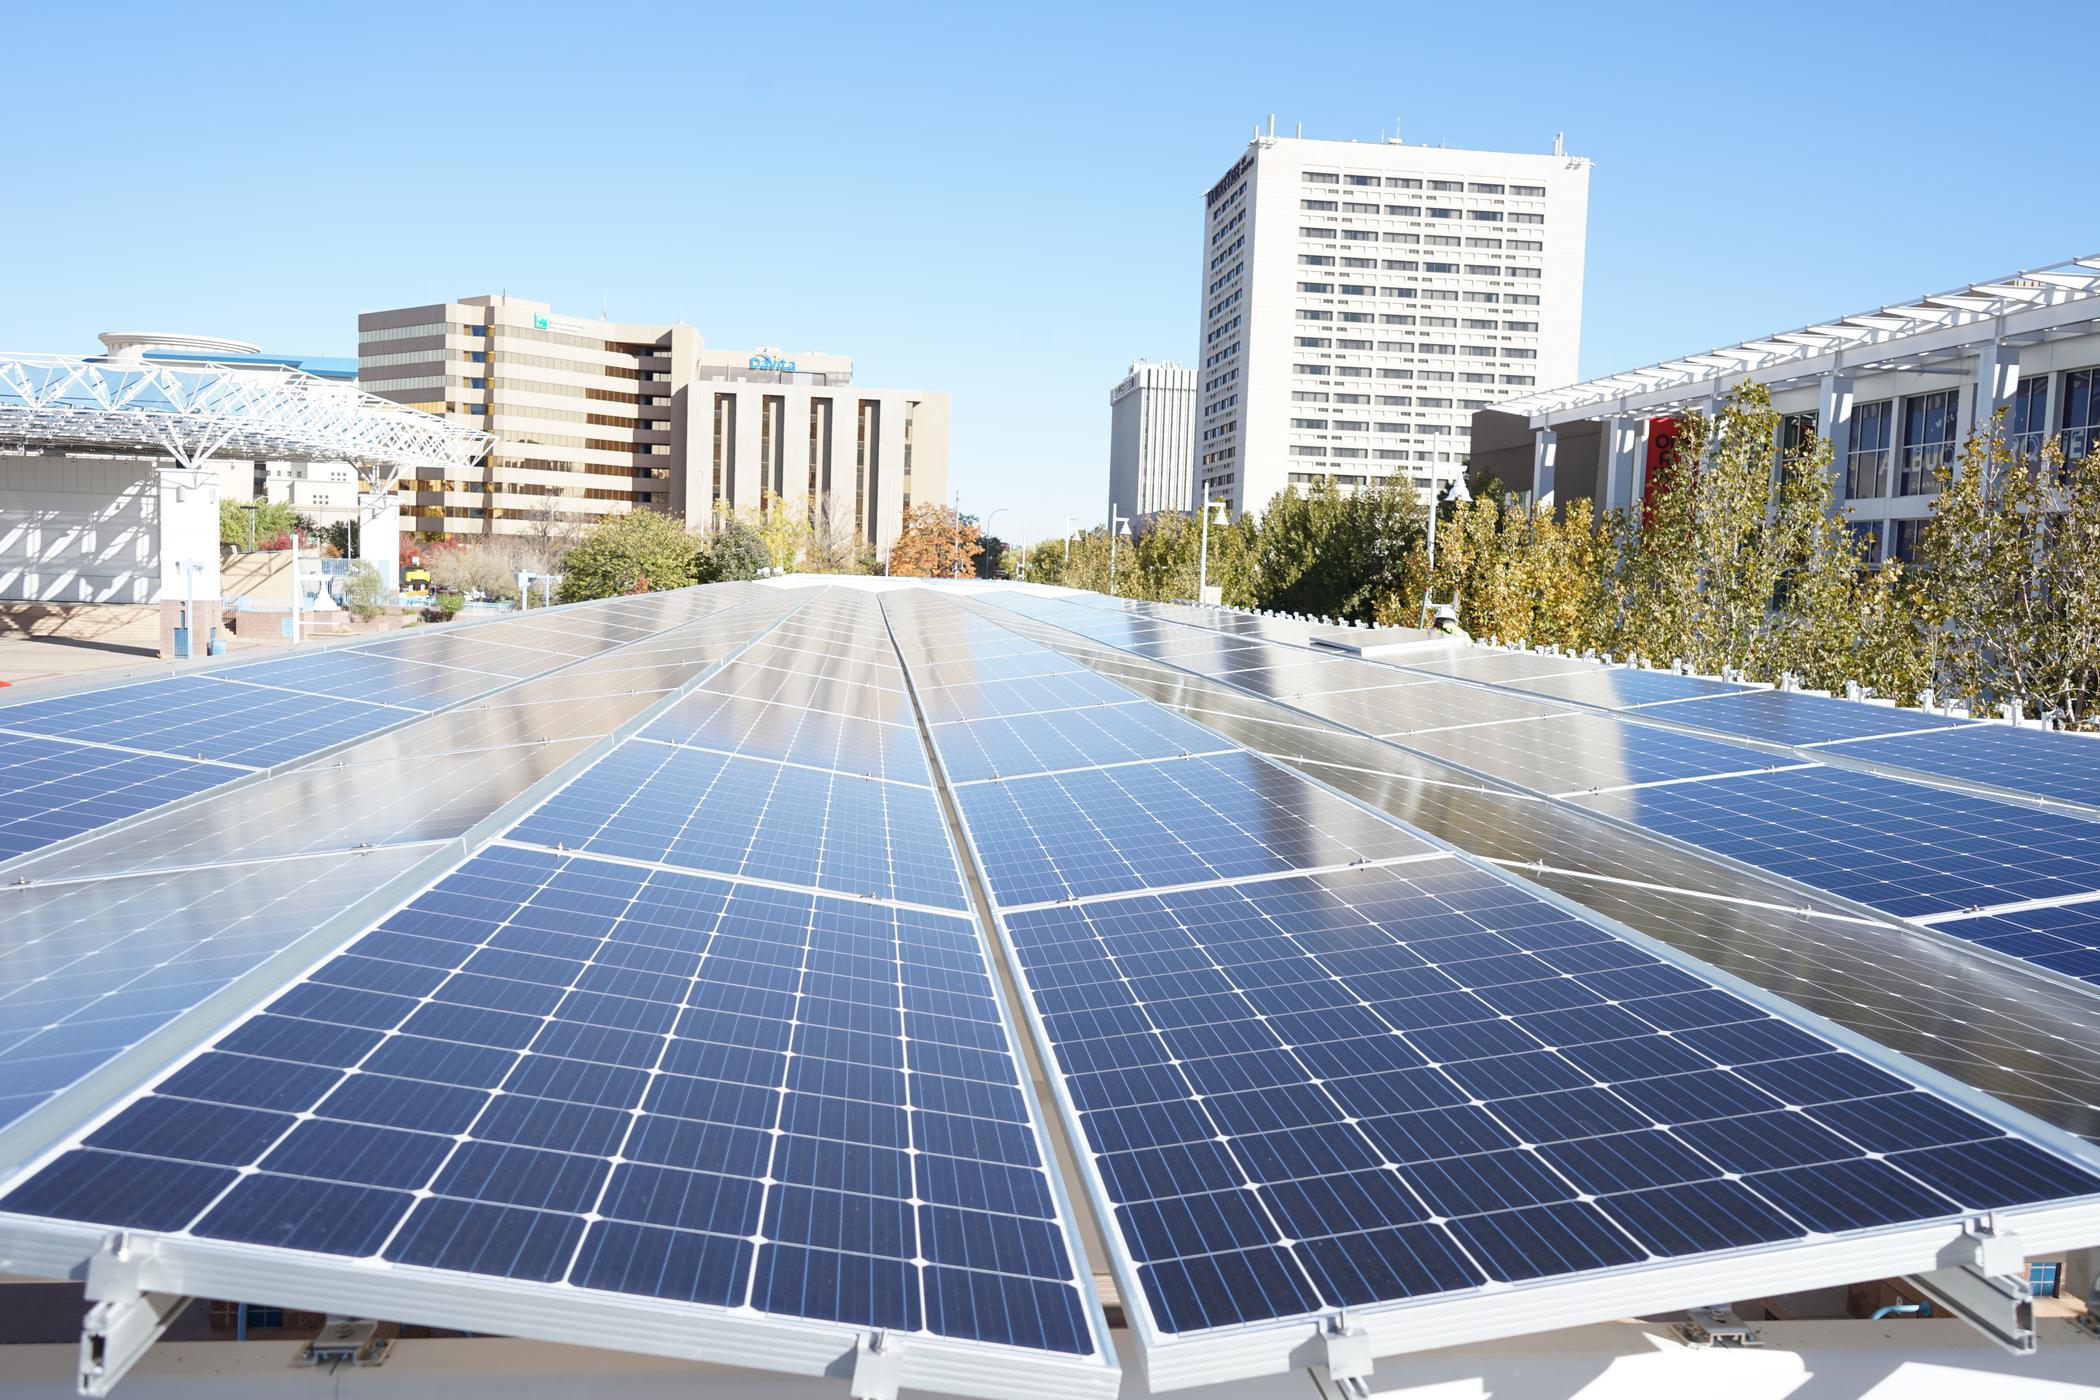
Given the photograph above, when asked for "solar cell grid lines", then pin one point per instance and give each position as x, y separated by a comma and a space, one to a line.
202, 717
755, 818
1793, 717
2063, 938
2030, 762
1623, 687
1009, 746
1400, 1082
819, 738
51, 790
1575, 753
1899, 847
554, 1070
1169, 822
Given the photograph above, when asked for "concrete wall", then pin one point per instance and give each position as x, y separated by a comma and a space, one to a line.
78, 530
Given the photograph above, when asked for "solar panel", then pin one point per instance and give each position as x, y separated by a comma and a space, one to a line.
1416, 1082
202, 717
1010, 746
1794, 717
763, 820
89, 969
373, 676
555, 1070
759, 729
2063, 938
1171, 822
1622, 687
1064, 690
1896, 846
1575, 753
1505, 667
2032, 762
50, 790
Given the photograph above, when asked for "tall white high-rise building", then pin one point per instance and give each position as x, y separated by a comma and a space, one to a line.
1361, 300
1152, 439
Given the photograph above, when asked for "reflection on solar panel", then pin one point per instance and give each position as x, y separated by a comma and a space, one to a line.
2028, 761
2063, 938
1621, 687
1577, 753
1791, 717
762, 820
51, 790
1173, 822
1325, 1092
1901, 848
555, 1070
1011, 746
202, 717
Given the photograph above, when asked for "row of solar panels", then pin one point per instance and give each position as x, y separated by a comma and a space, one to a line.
705, 1019
1657, 752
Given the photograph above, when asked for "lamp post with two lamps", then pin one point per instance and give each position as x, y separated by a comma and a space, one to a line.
1454, 492
1117, 525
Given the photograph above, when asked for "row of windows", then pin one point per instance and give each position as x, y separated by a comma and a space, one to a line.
1431, 376
1410, 182
419, 332
1404, 347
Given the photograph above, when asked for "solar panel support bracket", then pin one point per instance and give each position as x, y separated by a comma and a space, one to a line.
126, 1316
346, 1341
1982, 1279
878, 1367
1718, 1326
1346, 1356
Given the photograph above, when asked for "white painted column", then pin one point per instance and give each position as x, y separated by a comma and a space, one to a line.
1834, 422
379, 535
187, 520
1997, 375
1545, 449
1619, 439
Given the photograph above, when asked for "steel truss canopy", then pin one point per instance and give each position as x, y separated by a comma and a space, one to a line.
2022, 308
194, 411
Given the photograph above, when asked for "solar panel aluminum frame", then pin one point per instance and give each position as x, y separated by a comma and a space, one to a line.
52, 1249
69, 1112
1494, 1311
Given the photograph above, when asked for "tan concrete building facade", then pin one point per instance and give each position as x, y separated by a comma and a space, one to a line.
596, 417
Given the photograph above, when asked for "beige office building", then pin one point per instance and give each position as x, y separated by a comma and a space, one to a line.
594, 417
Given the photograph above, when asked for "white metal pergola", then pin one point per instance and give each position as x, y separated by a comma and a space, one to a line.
2024, 308
193, 412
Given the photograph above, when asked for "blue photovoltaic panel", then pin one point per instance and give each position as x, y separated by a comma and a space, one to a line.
1388, 1083
1064, 690
1791, 717
1619, 687
2064, 938
1572, 753
2033, 762
1008, 746
557, 1070
1173, 822
369, 675
204, 718
50, 789
819, 738
1900, 847
746, 816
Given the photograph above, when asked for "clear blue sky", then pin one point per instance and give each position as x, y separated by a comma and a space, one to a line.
999, 201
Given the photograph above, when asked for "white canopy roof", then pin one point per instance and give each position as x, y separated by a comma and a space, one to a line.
195, 411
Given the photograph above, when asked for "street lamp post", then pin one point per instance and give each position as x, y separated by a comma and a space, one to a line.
1068, 539
1117, 525
986, 532
1455, 492
1203, 548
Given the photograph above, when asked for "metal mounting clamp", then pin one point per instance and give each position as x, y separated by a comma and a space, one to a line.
1718, 1326
878, 1367
125, 1317
1982, 1279
346, 1341
1346, 1356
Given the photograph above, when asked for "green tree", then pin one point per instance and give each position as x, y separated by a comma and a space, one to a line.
2008, 564
734, 552
1349, 555
270, 521
365, 591
635, 551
